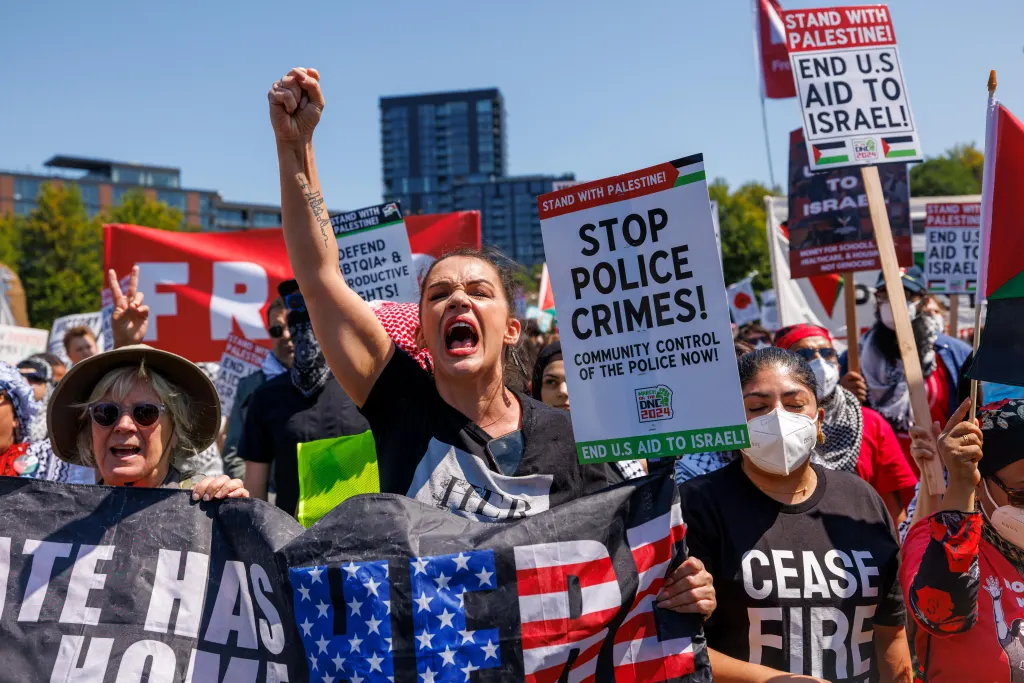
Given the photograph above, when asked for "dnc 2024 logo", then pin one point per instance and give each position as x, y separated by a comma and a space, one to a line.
654, 403
865, 150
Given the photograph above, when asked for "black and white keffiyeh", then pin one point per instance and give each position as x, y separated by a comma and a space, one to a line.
843, 427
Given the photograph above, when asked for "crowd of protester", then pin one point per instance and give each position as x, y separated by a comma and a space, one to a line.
455, 391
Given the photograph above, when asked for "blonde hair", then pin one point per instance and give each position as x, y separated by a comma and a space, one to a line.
117, 384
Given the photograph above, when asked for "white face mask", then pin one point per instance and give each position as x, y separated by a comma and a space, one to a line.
827, 376
1007, 520
885, 313
781, 441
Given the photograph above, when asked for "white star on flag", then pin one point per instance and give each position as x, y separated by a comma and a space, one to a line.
356, 678
468, 669
355, 606
387, 603
425, 639
322, 644
354, 643
373, 623
424, 602
428, 676
321, 607
305, 593
484, 576
421, 565
327, 678
338, 663
461, 562
372, 586
461, 595
305, 627
374, 662
442, 581
467, 636
351, 568
490, 650
446, 618
315, 573
312, 662
448, 656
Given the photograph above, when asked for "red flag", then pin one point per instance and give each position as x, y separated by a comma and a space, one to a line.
434, 234
546, 296
776, 74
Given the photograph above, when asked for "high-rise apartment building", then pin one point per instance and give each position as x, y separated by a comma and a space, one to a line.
447, 152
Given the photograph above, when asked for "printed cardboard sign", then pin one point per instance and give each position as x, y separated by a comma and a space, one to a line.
94, 321
643, 314
952, 238
241, 358
850, 83
743, 302
830, 228
18, 343
374, 253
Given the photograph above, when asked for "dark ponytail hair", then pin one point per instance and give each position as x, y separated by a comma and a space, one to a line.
772, 357
514, 372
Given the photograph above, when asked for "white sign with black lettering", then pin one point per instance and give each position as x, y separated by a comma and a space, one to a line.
94, 321
374, 253
952, 239
852, 92
241, 358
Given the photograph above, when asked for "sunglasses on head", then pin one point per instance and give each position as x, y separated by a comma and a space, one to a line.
1015, 496
276, 331
295, 301
107, 414
827, 353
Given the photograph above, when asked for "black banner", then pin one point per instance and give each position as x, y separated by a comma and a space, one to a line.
124, 585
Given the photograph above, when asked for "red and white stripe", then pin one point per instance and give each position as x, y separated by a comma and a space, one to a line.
549, 634
638, 654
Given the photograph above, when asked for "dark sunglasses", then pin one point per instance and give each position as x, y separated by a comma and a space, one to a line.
827, 353
1015, 496
108, 414
295, 301
276, 331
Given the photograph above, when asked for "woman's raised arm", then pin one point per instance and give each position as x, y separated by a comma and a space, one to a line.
353, 341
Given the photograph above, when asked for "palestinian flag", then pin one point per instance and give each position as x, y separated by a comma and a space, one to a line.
830, 153
1001, 355
546, 296
899, 146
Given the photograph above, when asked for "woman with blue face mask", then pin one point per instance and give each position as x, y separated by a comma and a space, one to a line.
805, 559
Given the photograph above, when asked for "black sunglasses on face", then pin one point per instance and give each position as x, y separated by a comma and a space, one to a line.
1015, 496
276, 331
827, 353
108, 414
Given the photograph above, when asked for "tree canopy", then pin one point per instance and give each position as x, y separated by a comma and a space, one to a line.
956, 171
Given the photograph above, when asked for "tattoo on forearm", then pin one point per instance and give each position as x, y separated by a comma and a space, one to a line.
316, 203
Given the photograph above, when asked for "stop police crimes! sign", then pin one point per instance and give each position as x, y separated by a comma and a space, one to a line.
645, 329
850, 84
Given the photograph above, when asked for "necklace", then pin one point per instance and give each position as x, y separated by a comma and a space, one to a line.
503, 413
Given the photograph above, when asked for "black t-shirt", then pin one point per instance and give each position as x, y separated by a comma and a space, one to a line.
798, 586
280, 418
428, 450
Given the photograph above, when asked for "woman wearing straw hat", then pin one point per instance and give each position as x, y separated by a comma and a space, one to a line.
137, 414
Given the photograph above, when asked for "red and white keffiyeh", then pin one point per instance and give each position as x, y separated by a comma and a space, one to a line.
400, 321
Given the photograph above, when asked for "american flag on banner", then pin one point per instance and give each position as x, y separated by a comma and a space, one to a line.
565, 595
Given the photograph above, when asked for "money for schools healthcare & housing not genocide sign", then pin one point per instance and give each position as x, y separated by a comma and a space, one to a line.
830, 228
643, 315
850, 83
120, 585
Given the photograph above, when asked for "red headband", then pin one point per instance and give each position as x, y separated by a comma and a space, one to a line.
798, 332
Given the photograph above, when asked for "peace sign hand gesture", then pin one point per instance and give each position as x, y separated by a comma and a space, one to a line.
131, 318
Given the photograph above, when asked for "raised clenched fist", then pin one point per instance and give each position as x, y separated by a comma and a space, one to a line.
296, 104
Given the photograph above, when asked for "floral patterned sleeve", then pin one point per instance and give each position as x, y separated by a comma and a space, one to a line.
940, 571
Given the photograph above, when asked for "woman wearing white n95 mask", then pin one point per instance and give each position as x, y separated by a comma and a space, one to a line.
805, 559
857, 439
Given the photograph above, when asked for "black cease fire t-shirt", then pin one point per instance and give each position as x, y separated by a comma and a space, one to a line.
428, 450
798, 586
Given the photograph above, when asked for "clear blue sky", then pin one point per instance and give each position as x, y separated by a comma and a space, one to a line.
595, 87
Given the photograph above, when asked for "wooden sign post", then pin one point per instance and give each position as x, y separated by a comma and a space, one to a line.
852, 330
954, 315
931, 471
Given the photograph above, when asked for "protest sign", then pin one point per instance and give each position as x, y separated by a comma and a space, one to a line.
240, 359
851, 87
202, 287
643, 314
114, 583
953, 237
94, 321
18, 343
830, 229
374, 253
770, 311
743, 302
